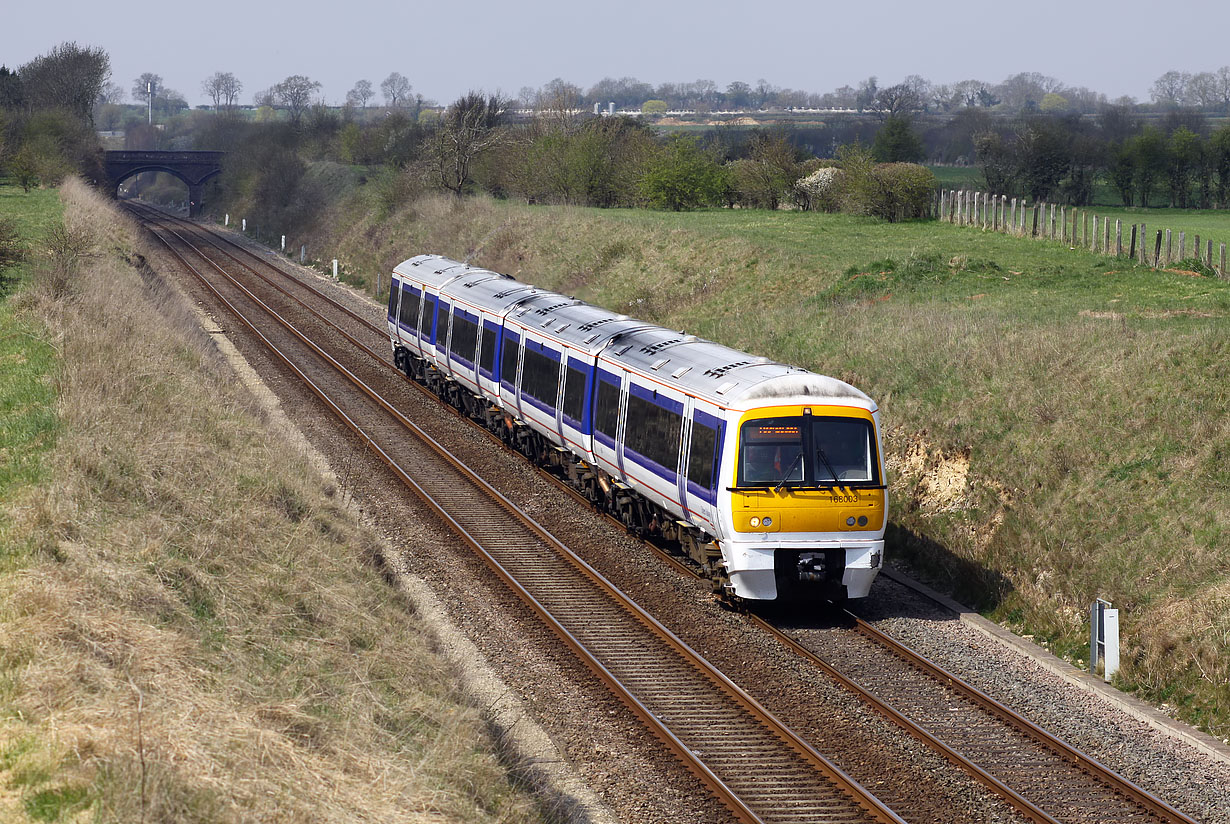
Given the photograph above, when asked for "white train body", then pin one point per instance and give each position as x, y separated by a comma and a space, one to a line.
770, 477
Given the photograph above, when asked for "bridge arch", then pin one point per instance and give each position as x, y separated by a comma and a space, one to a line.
194, 168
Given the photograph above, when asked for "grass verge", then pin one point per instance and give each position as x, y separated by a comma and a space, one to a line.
188, 627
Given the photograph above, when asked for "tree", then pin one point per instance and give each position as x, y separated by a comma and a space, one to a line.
653, 107
11, 95
998, 160
896, 142
764, 178
469, 127
865, 97
682, 177
738, 95
898, 101
1185, 156
396, 89
223, 89
1053, 103
69, 77
146, 85
360, 94
1219, 163
111, 94
1149, 156
1025, 91
295, 93
1170, 89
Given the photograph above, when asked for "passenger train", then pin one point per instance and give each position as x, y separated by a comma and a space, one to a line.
770, 477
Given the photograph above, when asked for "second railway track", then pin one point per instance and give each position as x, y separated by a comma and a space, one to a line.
1039, 776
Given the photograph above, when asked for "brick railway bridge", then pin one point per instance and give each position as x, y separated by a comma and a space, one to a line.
193, 168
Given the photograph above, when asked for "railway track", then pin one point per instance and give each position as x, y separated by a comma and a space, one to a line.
1041, 777
756, 766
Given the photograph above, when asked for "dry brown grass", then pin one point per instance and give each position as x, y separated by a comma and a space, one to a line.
190, 632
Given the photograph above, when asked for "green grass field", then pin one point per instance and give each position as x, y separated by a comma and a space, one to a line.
28, 422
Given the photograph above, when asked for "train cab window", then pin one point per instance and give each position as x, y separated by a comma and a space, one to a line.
807, 451
653, 432
700, 459
606, 409
465, 337
409, 312
393, 294
508, 360
540, 377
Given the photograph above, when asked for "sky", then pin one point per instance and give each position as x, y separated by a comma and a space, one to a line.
447, 47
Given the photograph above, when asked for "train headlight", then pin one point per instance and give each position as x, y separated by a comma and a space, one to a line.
850, 521
768, 521
862, 520
755, 521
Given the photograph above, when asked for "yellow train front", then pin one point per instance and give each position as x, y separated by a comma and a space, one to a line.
803, 500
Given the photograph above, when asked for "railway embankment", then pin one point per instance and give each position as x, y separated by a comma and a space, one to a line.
193, 626
1056, 421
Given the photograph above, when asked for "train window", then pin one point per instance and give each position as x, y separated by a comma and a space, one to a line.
409, 312
465, 337
393, 293
486, 357
540, 377
809, 451
508, 360
574, 393
606, 412
653, 432
700, 460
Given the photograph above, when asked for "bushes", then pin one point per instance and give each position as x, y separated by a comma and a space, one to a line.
860, 186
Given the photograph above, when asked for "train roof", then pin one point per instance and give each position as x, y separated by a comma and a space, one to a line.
698, 367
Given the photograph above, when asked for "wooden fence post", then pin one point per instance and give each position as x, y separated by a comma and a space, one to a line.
989, 211
1169, 248
1051, 223
1157, 249
1063, 224
1118, 238
1013, 227
1209, 257
1106, 236
1196, 248
1182, 245
1034, 231
1221, 270
1144, 258
1085, 229
1132, 243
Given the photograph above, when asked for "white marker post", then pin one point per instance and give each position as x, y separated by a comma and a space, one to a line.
335, 268
1103, 638
283, 243
227, 220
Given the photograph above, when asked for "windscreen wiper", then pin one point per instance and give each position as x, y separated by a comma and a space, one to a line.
820, 454
798, 456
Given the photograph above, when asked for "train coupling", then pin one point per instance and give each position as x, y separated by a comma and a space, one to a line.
811, 566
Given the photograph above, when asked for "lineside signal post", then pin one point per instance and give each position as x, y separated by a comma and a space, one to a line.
1103, 638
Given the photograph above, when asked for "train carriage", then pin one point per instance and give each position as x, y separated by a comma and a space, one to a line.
769, 476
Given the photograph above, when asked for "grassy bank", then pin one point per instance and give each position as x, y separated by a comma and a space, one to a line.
1058, 422
191, 626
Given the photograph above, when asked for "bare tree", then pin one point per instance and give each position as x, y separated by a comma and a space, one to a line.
469, 127
145, 85
295, 93
223, 89
1221, 86
899, 100
556, 104
111, 94
1170, 89
69, 76
360, 94
396, 90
